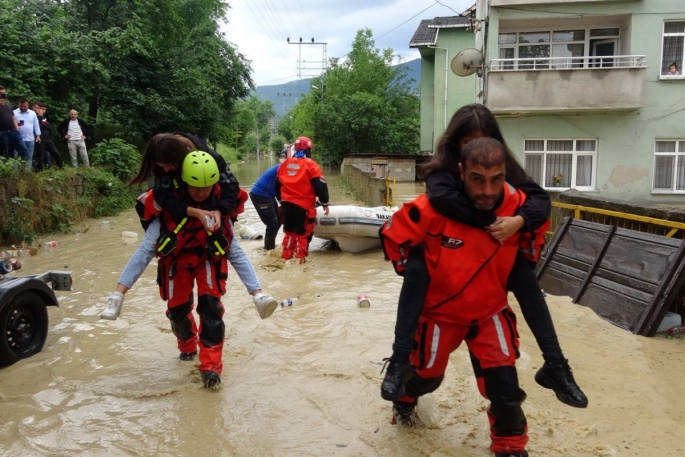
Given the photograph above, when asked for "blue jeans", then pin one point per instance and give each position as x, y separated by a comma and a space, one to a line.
146, 251
11, 140
27, 154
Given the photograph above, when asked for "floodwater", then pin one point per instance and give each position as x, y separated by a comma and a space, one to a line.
304, 382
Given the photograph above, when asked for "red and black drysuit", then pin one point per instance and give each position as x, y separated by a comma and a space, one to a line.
195, 258
298, 183
466, 301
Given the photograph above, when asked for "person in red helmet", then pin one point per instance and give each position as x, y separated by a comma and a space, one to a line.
298, 183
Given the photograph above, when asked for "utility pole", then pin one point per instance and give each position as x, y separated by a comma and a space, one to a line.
257, 147
311, 68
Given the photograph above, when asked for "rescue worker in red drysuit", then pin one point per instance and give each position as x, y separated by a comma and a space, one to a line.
467, 295
298, 183
188, 253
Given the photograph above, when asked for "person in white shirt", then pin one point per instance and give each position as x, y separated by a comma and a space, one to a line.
75, 131
29, 128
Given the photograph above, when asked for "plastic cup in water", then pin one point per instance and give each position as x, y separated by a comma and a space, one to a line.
363, 301
105, 225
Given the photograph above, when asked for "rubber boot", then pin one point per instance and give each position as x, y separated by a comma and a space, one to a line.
269, 242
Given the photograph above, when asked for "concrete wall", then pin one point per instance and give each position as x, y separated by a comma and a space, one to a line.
460, 90
402, 169
427, 98
566, 90
364, 185
625, 154
555, 3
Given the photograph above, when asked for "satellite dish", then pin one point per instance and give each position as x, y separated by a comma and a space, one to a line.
467, 62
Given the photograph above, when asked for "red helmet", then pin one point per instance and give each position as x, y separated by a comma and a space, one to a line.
303, 143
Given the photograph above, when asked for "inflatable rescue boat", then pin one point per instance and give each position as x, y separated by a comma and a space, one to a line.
354, 228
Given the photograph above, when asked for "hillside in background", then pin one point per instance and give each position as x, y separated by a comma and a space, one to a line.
285, 96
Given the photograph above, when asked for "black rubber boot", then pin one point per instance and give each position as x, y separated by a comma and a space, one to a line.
558, 376
269, 242
187, 356
399, 370
211, 379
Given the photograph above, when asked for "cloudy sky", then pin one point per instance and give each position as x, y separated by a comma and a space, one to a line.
259, 29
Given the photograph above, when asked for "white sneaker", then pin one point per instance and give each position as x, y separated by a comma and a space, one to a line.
113, 308
265, 305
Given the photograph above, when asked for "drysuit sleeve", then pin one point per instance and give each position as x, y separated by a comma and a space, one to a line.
447, 194
320, 189
318, 182
406, 228
537, 208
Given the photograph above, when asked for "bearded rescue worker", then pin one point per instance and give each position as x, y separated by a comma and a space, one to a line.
467, 296
188, 253
299, 182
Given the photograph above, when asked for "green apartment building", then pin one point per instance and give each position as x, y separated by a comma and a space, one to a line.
586, 92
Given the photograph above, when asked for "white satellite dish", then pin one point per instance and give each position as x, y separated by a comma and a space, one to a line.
467, 62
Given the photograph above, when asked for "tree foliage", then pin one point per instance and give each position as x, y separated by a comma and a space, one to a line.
366, 105
143, 66
251, 121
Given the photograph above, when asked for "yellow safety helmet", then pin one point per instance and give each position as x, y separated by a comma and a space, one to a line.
200, 169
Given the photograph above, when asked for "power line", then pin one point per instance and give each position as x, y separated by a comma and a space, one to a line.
305, 19
265, 31
396, 27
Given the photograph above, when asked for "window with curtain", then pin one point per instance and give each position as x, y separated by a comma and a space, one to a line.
562, 163
669, 165
569, 48
673, 52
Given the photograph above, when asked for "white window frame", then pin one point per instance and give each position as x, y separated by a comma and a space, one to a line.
587, 58
574, 163
675, 156
682, 59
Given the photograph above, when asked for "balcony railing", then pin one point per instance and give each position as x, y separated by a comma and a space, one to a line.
568, 63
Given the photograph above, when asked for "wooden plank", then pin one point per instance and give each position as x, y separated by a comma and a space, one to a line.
669, 287
629, 278
593, 267
551, 247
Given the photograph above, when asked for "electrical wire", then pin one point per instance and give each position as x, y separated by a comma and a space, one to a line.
305, 18
265, 31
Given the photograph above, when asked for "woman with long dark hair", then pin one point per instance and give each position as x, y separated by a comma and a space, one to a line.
447, 195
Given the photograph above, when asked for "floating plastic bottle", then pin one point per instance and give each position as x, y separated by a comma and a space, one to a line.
289, 301
126, 234
51, 244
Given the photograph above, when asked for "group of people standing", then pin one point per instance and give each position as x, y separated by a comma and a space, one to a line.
475, 235
26, 134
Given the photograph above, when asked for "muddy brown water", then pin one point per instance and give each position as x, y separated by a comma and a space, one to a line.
304, 382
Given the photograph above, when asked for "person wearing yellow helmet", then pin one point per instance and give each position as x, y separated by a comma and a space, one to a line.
191, 254
163, 159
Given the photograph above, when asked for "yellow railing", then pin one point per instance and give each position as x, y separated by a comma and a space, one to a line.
390, 191
624, 220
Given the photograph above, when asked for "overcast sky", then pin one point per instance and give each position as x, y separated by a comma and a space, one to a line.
259, 29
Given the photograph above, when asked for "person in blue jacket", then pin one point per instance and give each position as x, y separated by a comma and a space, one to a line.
263, 197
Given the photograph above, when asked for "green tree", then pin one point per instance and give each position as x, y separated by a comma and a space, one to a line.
363, 104
276, 143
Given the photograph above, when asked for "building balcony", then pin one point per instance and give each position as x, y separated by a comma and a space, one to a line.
566, 84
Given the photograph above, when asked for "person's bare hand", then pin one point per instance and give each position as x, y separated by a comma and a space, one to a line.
504, 227
216, 214
325, 210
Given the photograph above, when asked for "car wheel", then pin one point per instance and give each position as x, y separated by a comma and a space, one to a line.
23, 327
